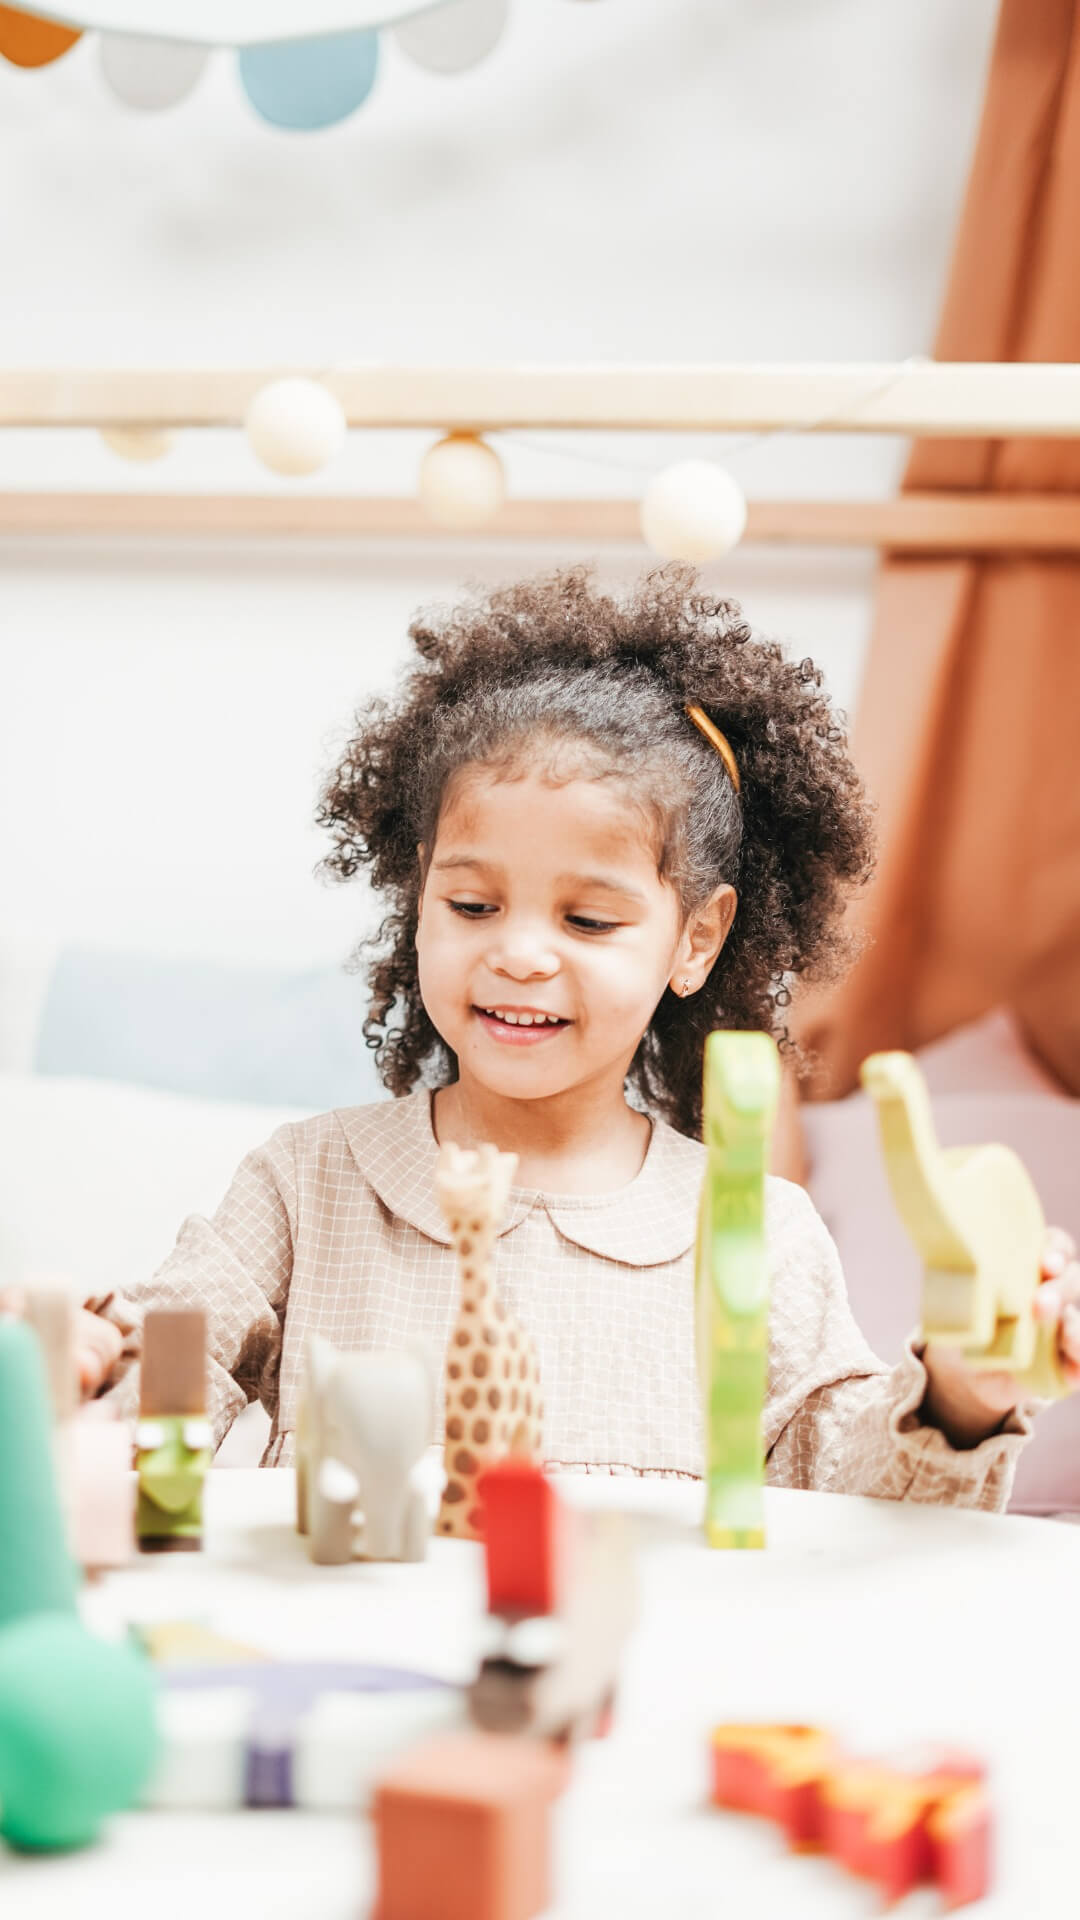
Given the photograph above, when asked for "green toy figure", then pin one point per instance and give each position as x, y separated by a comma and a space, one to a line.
742, 1087
173, 1446
77, 1726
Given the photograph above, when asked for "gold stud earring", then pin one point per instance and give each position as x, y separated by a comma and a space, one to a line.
685, 988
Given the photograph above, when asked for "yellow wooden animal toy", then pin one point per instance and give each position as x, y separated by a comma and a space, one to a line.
978, 1224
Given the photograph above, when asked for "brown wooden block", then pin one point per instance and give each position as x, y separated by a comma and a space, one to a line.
462, 1825
173, 1361
52, 1316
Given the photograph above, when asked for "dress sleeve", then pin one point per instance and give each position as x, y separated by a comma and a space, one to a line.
837, 1419
237, 1267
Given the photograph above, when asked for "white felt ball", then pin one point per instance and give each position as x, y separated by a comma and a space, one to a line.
295, 426
454, 37
137, 443
693, 511
461, 482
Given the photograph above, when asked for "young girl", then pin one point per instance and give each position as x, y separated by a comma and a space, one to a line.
602, 828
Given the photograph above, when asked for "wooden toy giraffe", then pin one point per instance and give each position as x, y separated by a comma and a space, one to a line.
493, 1404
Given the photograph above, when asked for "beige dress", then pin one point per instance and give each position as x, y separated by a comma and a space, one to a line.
333, 1226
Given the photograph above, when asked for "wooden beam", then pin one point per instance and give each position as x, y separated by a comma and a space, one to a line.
923, 523
909, 397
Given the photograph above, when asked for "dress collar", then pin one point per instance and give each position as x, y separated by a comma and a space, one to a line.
647, 1223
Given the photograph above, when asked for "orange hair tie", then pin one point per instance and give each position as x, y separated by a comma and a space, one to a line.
718, 740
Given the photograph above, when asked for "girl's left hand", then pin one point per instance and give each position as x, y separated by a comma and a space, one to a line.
967, 1403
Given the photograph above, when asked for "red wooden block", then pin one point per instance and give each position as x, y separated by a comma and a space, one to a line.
526, 1538
462, 1829
960, 1832
773, 1771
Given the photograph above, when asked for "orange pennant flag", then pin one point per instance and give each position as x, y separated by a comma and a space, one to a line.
27, 41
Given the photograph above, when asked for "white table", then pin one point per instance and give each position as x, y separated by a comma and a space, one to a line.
891, 1624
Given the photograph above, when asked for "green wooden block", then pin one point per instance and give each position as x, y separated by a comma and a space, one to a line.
742, 1087
37, 1573
171, 1476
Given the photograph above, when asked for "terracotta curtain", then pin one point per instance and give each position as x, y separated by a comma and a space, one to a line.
968, 723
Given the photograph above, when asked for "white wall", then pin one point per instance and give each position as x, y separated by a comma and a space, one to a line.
708, 179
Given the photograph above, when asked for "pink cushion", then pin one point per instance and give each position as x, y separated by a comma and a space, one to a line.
883, 1273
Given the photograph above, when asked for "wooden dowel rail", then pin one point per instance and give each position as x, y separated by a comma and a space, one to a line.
908, 397
922, 523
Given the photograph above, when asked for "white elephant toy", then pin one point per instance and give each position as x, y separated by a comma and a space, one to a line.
364, 1422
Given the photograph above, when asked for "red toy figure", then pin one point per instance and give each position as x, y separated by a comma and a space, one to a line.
561, 1598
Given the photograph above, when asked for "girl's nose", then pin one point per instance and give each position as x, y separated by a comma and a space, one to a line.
523, 953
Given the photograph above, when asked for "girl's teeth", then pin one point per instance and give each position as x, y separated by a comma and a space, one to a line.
523, 1019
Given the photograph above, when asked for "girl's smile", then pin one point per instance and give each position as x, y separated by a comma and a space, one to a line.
519, 1026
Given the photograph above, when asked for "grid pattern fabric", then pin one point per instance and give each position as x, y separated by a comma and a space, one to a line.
333, 1227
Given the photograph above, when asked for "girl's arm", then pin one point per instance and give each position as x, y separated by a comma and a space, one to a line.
237, 1267
837, 1419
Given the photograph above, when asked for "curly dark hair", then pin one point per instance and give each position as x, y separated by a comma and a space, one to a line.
595, 685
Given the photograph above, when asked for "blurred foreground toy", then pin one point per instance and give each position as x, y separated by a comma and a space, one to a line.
173, 1442
978, 1224
77, 1728
561, 1602
898, 1826
742, 1087
462, 1828
493, 1404
97, 1486
365, 1421
240, 1728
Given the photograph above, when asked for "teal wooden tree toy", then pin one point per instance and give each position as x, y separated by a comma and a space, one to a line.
742, 1087
77, 1723
37, 1572
977, 1222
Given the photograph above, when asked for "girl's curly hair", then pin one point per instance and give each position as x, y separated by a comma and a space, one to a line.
558, 673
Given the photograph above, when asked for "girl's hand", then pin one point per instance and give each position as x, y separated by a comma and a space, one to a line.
968, 1403
96, 1343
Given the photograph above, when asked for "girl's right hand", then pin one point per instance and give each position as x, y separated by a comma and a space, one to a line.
98, 1346
96, 1343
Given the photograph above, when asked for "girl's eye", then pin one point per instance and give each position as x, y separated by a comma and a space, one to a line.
470, 909
585, 925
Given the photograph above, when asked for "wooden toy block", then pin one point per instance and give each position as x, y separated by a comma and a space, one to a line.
742, 1088
493, 1402
960, 1832
347, 1740
897, 1826
978, 1225
526, 1538
365, 1422
102, 1484
777, 1772
202, 1763
462, 1829
52, 1317
173, 1441
93, 1456
241, 1729
173, 1371
562, 1600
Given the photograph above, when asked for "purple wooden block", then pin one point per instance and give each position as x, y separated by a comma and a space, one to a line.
283, 1692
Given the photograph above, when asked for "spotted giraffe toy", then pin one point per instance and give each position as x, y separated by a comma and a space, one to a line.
493, 1404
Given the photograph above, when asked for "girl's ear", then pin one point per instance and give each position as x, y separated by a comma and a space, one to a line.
702, 939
